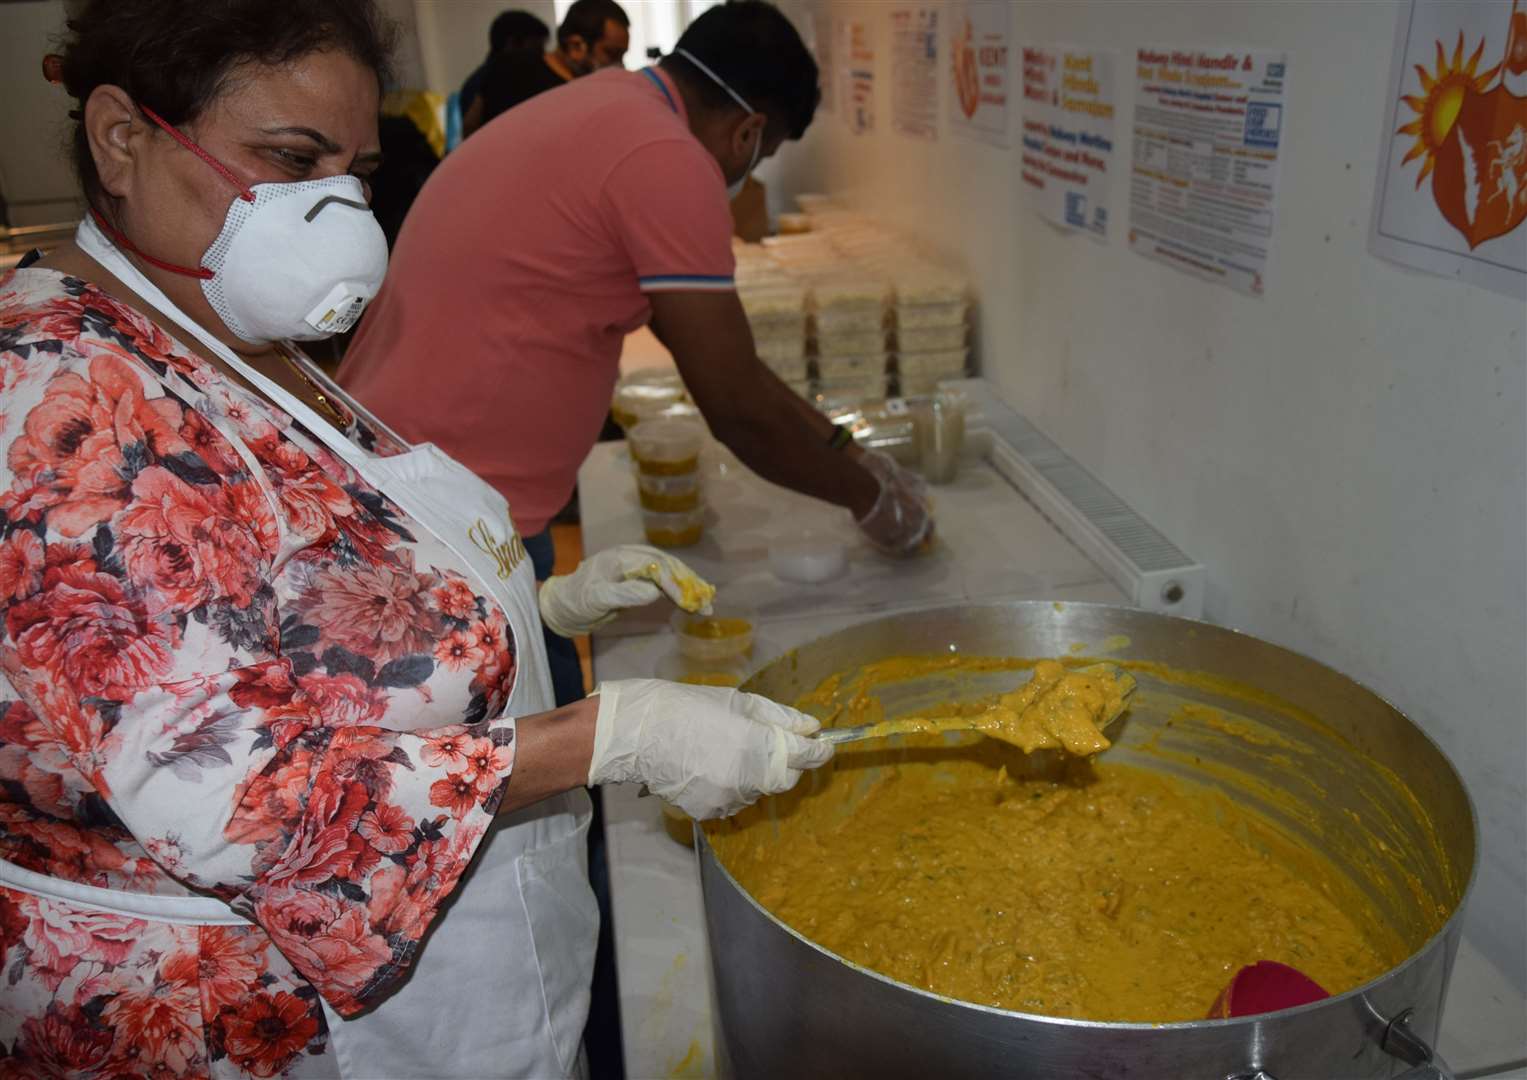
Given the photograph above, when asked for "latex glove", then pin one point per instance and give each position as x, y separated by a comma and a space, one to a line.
629, 576
708, 750
901, 521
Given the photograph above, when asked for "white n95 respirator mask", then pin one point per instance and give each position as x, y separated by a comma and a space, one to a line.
297, 260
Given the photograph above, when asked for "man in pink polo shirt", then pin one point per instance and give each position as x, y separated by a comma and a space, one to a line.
577, 217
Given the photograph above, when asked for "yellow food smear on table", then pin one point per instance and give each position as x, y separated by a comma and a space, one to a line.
1056, 709
1071, 888
686, 537
695, 593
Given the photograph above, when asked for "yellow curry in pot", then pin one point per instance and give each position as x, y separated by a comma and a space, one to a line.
1043, 884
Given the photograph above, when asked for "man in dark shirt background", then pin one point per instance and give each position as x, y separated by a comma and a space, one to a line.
512, 31
594, 34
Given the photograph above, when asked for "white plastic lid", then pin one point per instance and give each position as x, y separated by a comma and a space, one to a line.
808, 558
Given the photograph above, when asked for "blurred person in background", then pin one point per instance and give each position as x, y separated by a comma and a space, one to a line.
575, 219
511, 31
282, 787
594, 34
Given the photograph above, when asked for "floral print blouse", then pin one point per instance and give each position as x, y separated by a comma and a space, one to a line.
230, 667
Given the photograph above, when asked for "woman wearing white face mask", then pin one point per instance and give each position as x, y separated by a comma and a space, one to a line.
272, 688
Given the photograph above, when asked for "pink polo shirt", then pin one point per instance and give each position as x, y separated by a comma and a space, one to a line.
522, 266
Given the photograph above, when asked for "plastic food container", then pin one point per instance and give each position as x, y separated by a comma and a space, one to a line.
780, 350
779, 328
724, 637
772, 300
669, 494
643, 395
850, 293
931, 287
813, 202
919, 316
945, 364
850, 390
853, 343
808, 558
667, 446
863, 320
863, 365
930, 338
792, 370
673, 530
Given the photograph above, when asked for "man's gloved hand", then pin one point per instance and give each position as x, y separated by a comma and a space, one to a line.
622, 577
901, 521
708, 750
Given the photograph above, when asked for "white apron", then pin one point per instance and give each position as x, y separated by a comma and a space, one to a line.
500, 987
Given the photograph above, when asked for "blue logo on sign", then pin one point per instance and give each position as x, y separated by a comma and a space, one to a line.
1076, 209
1264, 123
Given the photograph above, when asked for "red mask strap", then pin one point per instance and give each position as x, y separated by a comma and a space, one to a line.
221, 169
118, 238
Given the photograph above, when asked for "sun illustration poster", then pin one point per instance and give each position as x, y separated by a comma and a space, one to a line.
1452, 188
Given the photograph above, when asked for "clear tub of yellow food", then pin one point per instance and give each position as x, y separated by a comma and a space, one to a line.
642, 395
669, 494
723, 637
793, 224
667, 446
682, 528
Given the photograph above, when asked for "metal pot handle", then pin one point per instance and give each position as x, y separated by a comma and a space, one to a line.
1398, 1041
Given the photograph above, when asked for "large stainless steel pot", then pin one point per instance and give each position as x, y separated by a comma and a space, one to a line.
1370, 788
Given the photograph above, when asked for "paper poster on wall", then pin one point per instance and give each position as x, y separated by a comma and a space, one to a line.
858, 55
914, 70
1204, 172
979, 83
1451, 194
1067, 138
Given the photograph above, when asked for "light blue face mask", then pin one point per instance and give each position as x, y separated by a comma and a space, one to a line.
732, 189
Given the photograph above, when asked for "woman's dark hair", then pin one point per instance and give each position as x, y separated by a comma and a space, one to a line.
755, 48
176, 56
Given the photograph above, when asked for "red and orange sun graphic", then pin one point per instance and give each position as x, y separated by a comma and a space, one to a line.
1472, 135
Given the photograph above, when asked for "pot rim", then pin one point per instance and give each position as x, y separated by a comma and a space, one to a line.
704, 850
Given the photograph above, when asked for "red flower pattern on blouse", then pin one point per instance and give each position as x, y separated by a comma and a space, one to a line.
230, 665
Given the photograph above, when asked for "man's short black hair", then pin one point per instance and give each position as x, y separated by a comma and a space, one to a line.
516, 25
586, 19
756, 49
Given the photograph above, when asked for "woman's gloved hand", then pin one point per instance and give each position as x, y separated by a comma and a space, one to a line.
622, 577
708, 750
901, 521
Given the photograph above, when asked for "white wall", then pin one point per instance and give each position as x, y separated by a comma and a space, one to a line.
1347, 455
35, 175
453, 34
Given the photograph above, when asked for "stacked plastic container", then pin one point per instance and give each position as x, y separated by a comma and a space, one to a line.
931, 315
666, 450
849, 315
776, 312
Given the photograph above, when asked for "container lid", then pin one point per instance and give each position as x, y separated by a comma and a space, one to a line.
809, 557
